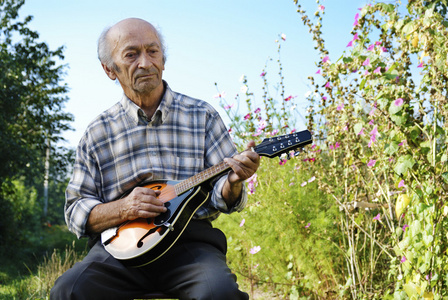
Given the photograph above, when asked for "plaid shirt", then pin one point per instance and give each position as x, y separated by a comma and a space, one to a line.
121, 148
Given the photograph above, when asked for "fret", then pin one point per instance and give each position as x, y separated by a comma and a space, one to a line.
200, 178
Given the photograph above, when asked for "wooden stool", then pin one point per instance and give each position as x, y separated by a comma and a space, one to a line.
155, 295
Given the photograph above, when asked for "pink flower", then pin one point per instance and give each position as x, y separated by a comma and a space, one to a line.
308, 225
374, 133
311, 179
282, 162
263, 74
355, 37
325, 59
378, 43
371, 47
227, 107
321, 7
355, 23
335, 146
383, 49
350, 44
247, 117
366, 62
303, 184
403, 259
283, 36
402, 143
220, 95
366, 73
340, 106
361, 132
289, 98
398, 102
405, 226
377, 70
242, 222
378, 217
327, 85
252, 183
255, 250
420, 65
318, 72
357, 16
371, 163
371, 123
401, 184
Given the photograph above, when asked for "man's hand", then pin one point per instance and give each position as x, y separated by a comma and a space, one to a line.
243, 166
141, 203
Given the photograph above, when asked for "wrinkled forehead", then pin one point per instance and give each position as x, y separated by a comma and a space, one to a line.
132, 33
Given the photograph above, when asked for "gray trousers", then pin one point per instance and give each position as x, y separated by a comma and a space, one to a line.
194, 268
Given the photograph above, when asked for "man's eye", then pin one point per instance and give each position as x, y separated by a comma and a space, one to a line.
130, 55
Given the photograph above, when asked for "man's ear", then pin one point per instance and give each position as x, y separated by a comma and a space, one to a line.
109, 72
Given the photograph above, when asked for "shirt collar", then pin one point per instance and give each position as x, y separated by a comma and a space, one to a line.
137, 114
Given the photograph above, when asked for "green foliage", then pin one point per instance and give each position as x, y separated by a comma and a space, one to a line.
295, 228
378, 115
31, 96
30, 272
384, 104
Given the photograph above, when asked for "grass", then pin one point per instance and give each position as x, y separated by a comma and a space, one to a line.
29, 272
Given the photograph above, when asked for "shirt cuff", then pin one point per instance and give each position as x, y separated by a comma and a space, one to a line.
79, 214
219, 202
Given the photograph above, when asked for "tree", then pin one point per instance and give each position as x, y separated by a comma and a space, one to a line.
32, 98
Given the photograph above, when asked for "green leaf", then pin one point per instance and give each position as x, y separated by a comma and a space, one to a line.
393, 109
408, 28
403, 164
427, 239
445, 176
391, 148
357, 128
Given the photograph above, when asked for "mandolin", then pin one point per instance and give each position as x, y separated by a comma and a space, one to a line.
142, 241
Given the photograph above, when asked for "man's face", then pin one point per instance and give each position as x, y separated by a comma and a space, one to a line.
137, 56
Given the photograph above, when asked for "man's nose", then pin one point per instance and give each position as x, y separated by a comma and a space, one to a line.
145, 61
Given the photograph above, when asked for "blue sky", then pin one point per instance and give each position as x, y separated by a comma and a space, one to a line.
208, 41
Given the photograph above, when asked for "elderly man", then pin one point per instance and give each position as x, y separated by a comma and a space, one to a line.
152, 133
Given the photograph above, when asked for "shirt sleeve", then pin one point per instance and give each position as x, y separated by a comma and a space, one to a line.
218, 201
81, 193
220, 145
